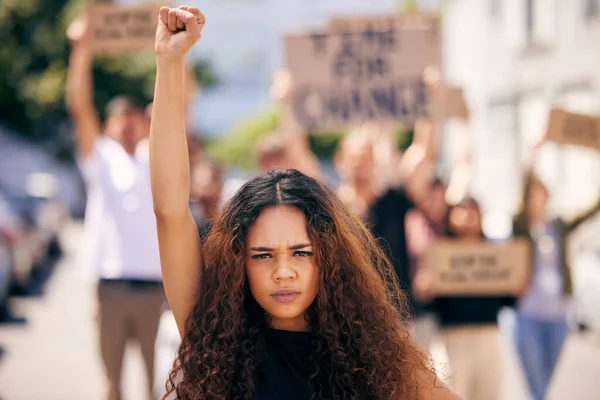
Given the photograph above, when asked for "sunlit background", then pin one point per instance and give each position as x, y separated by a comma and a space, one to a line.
515, 60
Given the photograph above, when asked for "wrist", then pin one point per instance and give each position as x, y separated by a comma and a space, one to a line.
164, 61
82, 50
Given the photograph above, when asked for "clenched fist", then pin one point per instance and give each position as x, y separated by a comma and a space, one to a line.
79, 31
178, 30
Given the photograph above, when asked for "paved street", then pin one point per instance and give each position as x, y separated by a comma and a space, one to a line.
54, 356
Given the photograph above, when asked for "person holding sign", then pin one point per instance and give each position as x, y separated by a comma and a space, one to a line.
541, 323
120, 244
424, 226
468, 323
286, 299
382, 201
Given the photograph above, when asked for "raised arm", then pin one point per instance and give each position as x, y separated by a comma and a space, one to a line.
79, 96
584, 216
179, 243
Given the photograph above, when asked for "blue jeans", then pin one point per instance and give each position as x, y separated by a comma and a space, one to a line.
539, 343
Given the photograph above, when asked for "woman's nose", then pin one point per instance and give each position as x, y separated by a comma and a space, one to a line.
284, 270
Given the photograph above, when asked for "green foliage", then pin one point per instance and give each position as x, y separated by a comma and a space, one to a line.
237, 148
34, 54
409, 6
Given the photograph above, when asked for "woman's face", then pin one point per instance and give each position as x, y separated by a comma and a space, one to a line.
356, 164
465, 221
283, 276
537, 202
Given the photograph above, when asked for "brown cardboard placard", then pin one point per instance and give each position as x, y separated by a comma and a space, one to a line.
344, 78
575, 129
118, 30
449, 102
462, 268
430, 22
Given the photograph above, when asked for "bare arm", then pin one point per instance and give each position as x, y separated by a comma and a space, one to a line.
79, 94
584, 216
179, 243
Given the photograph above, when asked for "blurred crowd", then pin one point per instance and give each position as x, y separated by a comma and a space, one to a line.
401, 196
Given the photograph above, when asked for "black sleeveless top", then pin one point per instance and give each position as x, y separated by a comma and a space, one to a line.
287, 369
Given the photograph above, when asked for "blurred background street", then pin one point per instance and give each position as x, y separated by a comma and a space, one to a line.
54, 355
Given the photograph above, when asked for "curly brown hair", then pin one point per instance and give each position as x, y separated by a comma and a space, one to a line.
360, 347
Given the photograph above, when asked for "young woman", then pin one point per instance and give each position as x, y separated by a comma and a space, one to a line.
284, 300
541, 324
469, 323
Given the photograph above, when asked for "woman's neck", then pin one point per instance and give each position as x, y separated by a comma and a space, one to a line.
299, 324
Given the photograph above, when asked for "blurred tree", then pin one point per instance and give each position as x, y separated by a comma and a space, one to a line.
34, 53
237, 148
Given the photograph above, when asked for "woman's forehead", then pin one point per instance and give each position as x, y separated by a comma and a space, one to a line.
277, 227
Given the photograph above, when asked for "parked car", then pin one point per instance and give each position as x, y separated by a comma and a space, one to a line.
18, 235
50, 213
32, 231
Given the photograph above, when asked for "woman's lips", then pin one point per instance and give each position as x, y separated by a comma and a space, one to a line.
285, 295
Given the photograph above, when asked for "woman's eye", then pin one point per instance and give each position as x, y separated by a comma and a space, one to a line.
261, 256
303, 254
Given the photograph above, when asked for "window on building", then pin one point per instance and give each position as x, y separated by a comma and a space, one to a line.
530, 25
592, 9
529, 18
540, 23
496, 9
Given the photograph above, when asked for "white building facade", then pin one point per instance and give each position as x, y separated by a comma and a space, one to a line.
516, 59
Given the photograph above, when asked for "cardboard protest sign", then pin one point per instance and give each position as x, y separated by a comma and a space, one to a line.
344, 78
575, 129
448, 102
429, 22
119, 30
478, 268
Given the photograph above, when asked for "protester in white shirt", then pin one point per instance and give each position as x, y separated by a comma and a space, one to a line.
119, 246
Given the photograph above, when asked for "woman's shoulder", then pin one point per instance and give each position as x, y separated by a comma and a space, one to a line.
433, 388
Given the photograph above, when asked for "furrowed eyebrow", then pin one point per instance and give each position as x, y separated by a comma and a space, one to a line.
294, 247
261, 249
300, 246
